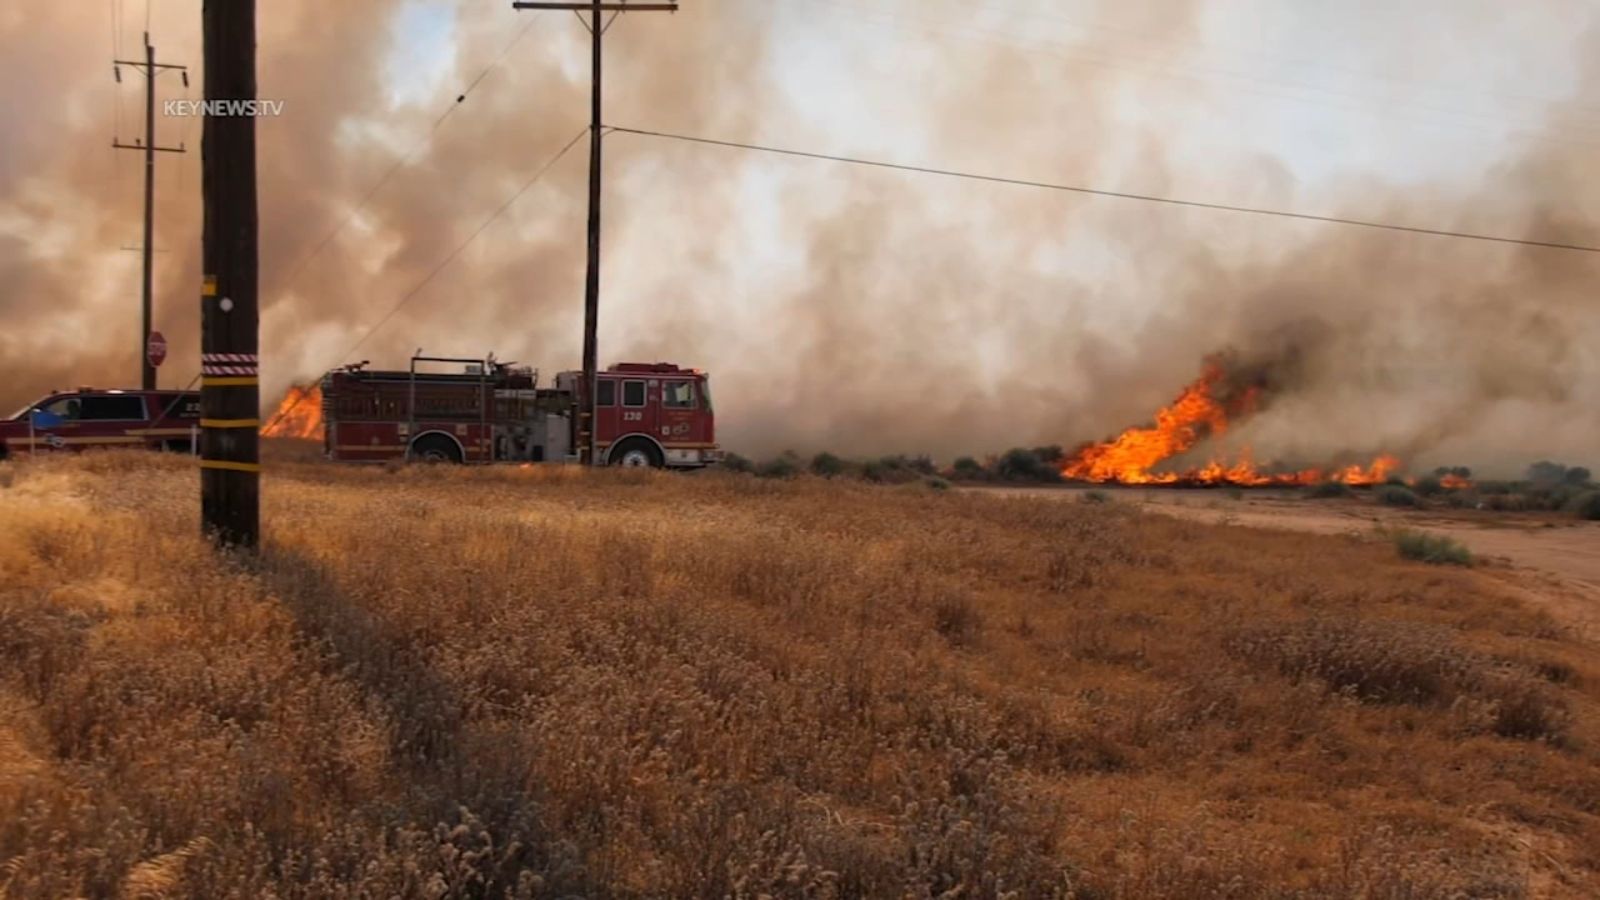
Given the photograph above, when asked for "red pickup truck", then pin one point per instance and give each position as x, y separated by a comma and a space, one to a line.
87, 417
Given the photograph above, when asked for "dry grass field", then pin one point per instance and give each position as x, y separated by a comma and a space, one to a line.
553, 683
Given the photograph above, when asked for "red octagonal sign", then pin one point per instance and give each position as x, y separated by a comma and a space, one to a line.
155, 349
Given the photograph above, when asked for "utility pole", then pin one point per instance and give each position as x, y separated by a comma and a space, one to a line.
591, 287
230, 395
151, 69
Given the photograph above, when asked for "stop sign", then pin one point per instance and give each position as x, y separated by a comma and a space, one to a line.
155, 350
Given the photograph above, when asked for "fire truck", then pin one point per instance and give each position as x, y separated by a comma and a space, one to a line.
88, 418
646, 414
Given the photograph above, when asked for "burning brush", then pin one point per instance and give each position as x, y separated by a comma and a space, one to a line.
1224, 395
298, 416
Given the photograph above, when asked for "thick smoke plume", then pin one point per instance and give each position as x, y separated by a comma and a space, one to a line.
856, 310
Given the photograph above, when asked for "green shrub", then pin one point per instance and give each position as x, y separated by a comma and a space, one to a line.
936, 483
827, 465
1050, 455
1431, 548
898, 469
733, 462
1508, 502
1324, 490
1428, 486
1020, 464
1557, 496
968, 469
1586, 506
1397, 495
785, 465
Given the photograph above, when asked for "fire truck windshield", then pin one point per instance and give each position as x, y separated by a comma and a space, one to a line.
705, 392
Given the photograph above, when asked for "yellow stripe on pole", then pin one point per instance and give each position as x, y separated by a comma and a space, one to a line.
227, 465
243, 381
230, 423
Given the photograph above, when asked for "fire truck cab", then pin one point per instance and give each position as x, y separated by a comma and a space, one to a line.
88, 418
654, 414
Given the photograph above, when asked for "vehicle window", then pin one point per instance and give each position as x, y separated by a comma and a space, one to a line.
66, 408
705, 392
606, 393
677, 394
111, 407
633, 393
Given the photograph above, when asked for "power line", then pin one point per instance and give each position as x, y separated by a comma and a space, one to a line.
407, 160
1075, 189
443, 264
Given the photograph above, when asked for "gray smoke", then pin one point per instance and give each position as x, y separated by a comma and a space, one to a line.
857, 310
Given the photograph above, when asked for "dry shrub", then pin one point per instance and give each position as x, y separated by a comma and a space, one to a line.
1382, 663
1431, 548
1521, 706
956, 616
1415, 664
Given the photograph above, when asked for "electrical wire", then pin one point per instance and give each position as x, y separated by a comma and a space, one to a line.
416, 152
1123, 195
445, 263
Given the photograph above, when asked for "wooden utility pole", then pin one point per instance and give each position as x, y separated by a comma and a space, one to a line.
151, 69
230, 396
591, 287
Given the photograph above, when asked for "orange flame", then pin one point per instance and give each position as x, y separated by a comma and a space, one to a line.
1136, 455
298, 416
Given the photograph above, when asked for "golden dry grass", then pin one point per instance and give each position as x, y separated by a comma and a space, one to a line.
547, 682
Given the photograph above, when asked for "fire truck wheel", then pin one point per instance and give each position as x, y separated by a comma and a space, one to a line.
435, 448
637, 454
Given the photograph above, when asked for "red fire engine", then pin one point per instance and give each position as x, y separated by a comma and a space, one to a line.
85, 418
654, 414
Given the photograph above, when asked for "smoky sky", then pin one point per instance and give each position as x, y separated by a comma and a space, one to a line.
852, 309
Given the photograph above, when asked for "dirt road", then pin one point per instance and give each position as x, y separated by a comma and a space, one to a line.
1545, 558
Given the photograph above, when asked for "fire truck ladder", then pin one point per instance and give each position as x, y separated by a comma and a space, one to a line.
483, 366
